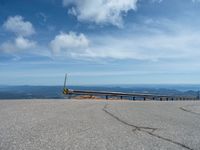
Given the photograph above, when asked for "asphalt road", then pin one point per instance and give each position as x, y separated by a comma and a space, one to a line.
99, 125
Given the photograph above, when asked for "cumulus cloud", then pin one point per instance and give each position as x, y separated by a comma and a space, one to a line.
19, 44
69, 43
101, 11
22, 29
19, 26
169, 42
23, 43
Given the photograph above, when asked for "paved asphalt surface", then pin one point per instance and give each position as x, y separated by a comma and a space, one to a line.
99, 125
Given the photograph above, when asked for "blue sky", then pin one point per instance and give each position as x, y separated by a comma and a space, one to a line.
99, 42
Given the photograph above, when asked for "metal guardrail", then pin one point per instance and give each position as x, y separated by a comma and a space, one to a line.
134, 96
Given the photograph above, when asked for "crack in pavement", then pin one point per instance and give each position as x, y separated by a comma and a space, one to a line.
144, 129
139, 128
189, 111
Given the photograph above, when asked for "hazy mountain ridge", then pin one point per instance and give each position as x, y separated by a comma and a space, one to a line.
55, 92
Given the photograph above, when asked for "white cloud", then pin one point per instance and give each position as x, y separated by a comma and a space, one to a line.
18, 26
22, 43
146, 47
69, 43
101, 11
171, 41
22, 29
19, 44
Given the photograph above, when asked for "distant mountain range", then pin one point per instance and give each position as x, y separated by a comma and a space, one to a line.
55, 92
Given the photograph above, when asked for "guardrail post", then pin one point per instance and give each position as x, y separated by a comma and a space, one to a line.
69, 96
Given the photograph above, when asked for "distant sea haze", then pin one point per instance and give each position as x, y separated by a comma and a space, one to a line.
55, 92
